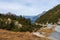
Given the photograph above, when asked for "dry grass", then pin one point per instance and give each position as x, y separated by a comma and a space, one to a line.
8, 35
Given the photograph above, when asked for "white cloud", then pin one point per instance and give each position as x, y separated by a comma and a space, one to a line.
26, 7
13, 7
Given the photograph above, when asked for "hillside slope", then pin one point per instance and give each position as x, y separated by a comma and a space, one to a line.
51, 15
13, 22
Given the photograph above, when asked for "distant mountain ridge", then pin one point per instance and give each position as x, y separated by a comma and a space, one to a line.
34, 18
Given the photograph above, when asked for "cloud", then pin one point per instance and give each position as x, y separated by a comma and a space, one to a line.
17, 9
27, 7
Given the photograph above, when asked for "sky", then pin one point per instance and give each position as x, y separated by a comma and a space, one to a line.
27, 7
